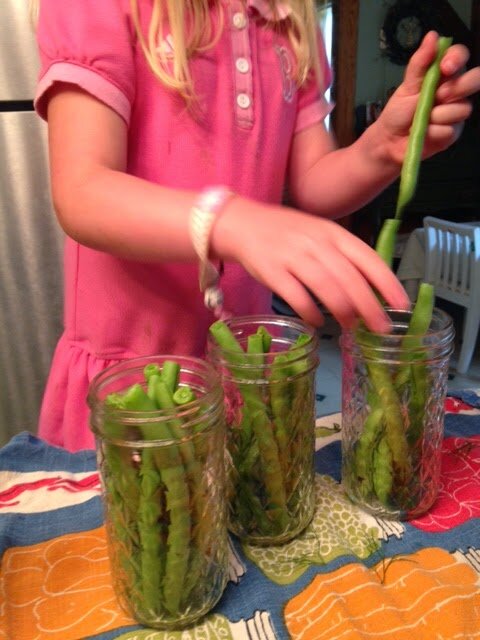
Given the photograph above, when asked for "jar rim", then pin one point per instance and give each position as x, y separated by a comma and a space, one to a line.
437, 341
211, 394
440, 316
251, 360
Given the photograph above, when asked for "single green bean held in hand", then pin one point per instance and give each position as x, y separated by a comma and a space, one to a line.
416, 139
385, 245
395, 443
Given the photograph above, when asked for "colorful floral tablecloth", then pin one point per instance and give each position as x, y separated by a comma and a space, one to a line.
348, 576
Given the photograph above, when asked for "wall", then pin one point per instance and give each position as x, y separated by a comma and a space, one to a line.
375, 74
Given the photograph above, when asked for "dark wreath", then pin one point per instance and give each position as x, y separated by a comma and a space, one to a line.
424, 10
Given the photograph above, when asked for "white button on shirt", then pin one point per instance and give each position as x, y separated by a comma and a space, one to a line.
243, 100
239, 20
242, 65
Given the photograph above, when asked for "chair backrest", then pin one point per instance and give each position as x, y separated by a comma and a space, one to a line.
452, 260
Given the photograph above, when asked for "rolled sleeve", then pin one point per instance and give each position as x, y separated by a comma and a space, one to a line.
89, 44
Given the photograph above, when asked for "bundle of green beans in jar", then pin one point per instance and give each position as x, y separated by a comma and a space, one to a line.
267, 365
160, 428
394, 385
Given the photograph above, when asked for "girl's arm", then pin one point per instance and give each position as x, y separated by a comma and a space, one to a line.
101, 206
336, 182
96, 201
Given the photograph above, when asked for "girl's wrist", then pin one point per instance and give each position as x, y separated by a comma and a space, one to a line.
227, 228
206, 208
379, 147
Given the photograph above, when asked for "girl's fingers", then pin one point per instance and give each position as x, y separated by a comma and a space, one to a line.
294, 293
460, 87
446, 114
452, 64
343, 289
454, 60
320, 260
375, 271
325, 286
440, 137
419, 63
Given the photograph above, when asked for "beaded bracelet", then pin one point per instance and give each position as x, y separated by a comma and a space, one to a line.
202, 216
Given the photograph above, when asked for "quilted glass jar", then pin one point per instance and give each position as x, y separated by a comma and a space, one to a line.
393, 393
270, 399
163, 476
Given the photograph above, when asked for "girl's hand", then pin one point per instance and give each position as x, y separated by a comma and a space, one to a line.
452, 106
302, 258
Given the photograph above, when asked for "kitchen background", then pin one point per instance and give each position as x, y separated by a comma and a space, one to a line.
376, 75
30, 240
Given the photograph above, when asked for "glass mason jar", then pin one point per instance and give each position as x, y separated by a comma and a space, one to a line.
163, 478
393, 393
269, 387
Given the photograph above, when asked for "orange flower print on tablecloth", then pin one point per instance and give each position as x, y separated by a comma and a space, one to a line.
426, 595
459, 496
59, 590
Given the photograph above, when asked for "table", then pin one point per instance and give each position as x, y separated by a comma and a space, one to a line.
349, 575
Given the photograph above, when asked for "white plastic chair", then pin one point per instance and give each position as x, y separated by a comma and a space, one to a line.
452, 265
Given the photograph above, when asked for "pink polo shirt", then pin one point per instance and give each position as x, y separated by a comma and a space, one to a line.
250, 109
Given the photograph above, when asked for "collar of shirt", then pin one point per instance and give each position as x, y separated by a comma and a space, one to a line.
263, 7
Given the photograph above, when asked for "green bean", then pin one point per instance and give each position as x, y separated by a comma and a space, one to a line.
227, 342
385, 246
266, 337
255, 351
364, 449
169, 374
280, 402
411, 163
160, 466
379, 375
255, 428
420, 322
183, 395
123, 490
164, 398
172, 474
149, 508
151, 369
383, 471
393, 450
267, 445
273, 476
418, 326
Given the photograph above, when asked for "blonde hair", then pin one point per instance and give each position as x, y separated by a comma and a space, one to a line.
191, 30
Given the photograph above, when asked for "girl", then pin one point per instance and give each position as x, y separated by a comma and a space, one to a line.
173, 128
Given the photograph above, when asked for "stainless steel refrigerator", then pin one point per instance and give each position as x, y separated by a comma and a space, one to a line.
30, 238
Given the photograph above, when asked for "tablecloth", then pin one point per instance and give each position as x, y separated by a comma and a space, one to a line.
348, 576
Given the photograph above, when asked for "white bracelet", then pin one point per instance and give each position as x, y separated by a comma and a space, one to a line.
202, 217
